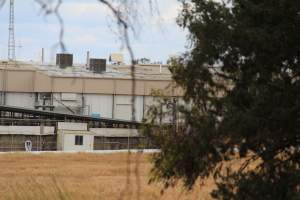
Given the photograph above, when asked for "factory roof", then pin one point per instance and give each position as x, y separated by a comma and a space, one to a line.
35, 77
151, 71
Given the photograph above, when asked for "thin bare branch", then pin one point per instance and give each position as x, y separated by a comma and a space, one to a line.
47, 8
2, 2
123, 24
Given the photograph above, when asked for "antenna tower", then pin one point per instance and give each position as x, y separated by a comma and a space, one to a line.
11, 35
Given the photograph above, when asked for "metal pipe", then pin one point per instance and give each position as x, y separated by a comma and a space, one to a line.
42, 58
88, 58
144, 106
113, 106
82, 104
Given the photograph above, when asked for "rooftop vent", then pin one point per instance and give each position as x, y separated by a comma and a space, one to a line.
97, 65
64, 60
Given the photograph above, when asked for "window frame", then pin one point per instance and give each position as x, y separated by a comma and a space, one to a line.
78, 140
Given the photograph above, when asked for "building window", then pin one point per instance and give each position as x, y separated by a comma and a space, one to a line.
78, 140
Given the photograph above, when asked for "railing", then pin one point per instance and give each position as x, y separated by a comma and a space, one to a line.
10, 115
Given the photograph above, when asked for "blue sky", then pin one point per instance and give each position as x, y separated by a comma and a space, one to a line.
88, 27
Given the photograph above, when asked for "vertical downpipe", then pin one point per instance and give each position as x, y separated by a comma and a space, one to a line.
82, 104
4, 84
51, 101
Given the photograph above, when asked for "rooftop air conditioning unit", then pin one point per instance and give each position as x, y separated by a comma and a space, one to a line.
97, 65
64, 60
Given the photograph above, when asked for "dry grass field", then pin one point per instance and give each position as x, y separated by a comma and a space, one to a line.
84, 176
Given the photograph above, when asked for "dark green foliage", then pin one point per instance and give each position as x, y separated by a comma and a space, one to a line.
242, 77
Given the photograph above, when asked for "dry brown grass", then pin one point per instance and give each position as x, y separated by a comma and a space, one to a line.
83, 176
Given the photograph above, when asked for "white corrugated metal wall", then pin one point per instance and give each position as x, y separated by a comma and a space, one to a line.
108, 106
98, 103
25, 100
123, 107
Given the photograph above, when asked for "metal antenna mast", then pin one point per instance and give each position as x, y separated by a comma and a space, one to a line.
11, 35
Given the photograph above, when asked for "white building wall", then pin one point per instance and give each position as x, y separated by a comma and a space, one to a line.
118, 107
123, 107
69, 142
74, 126
67, 132
64, 102
59, 101
150, 100
25, 100
139, 108
60, 140
98, 103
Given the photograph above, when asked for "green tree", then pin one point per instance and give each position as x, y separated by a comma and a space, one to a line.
242, 80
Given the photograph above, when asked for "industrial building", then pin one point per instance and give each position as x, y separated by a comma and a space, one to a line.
69, 136
36, 101
71, 107
96, 90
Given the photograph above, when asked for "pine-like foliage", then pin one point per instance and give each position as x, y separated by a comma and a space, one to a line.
242, 81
